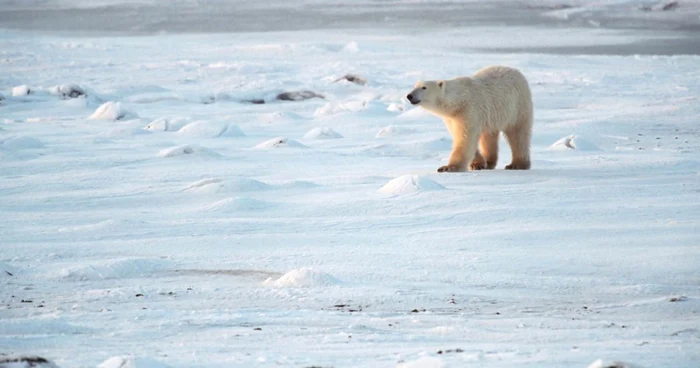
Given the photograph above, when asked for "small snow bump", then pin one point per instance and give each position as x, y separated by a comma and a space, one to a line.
322, 133
303, 277
206, 186
22, 90
116, 269
166, 124
611, 364
110, 111
203, 129
573, 142
279, 142
351, 48
184, 149
21, 143
408, 184
237, 204
131, 362
393, 130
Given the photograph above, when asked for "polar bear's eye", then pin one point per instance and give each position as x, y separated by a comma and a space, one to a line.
424, 87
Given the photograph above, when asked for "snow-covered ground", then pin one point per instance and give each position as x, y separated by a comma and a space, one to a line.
161, 206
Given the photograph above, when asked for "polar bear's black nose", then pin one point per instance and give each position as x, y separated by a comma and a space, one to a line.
410, 97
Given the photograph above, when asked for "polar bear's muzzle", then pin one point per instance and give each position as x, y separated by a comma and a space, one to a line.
414, 96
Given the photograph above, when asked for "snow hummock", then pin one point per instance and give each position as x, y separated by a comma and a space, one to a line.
407, 184
573, 142
210, 129
303, 277
166, 124
116, 269
278, 143
183, 149
322, 133
20, 143
110, 111
611, 364
131, 362
393, 130
67, 90
22, 90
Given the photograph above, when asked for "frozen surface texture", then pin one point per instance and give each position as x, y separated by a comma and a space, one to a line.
185, 226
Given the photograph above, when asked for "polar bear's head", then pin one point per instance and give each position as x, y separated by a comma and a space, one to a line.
427, 94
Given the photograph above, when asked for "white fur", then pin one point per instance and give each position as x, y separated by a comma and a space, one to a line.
495, 99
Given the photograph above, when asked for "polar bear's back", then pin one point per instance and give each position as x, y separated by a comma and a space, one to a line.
505, 96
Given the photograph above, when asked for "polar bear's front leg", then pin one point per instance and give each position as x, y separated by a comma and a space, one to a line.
465, 143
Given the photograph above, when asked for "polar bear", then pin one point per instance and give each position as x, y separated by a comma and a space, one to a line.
475, 110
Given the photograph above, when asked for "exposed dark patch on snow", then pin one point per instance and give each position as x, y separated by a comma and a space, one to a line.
298, 95
352, 78
26, 361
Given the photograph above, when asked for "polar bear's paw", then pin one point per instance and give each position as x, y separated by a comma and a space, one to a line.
450, 168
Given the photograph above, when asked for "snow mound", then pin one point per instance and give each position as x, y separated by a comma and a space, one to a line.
246, 185
322, 133
110, 111
166, 124
337, 107
21, 142
131, 362
611, 364
26, 361
279, 142
351, 48
68, 90
116, 269
184, 149
205, 186
210, 129
394, 107
393, 130
22, 90
407, 184
423, 362
573, 142
232, 130
302, 277
237, 204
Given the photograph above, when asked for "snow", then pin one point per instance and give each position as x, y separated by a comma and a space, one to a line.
110, 111
303, 277
189, 227
407, 184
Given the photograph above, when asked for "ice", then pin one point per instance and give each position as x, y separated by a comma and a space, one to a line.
217, 226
